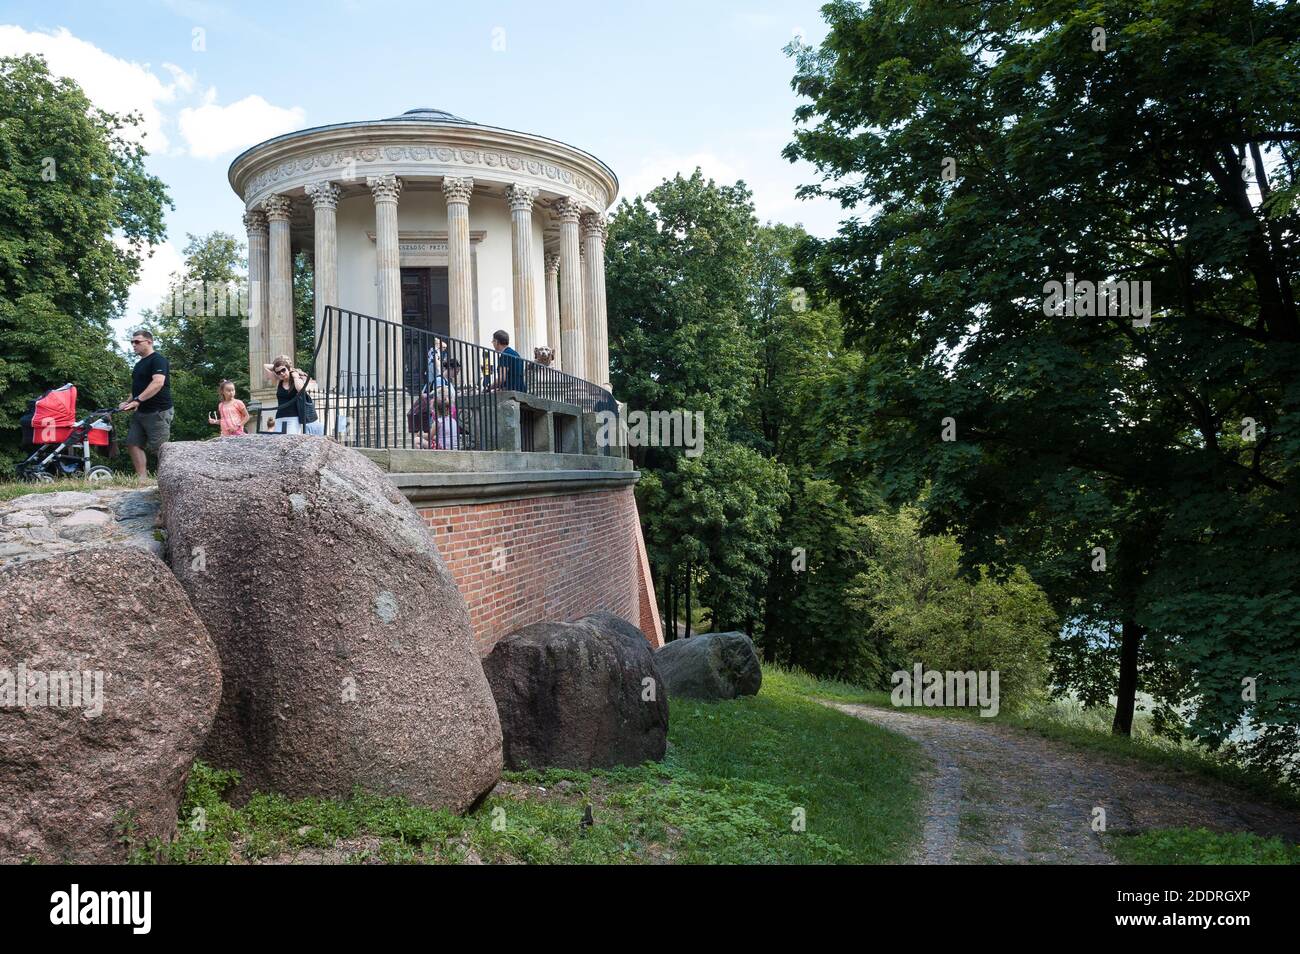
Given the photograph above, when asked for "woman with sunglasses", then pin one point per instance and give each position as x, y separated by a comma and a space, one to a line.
290, 384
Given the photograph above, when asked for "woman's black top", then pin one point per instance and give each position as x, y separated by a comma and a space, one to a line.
287, 398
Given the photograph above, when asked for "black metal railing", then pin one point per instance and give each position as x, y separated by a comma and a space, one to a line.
385, 385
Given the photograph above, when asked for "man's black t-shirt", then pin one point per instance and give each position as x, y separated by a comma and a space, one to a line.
143, 373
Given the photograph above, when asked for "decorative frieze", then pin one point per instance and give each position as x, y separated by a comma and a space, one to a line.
347, 160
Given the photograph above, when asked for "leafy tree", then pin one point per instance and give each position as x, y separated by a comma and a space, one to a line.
811, 619
77, 214
202, 329
679, 268
926, 611
992, 148
677, 271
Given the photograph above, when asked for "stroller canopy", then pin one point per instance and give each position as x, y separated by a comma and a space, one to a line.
52, 417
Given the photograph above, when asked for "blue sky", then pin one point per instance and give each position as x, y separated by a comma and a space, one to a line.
650, 89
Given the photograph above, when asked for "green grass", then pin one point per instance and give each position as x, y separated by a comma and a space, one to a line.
730, 791
11, 489
1066, 721
1187, 846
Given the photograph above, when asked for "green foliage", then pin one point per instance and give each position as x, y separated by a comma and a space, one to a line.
77, 214
680, 270
811, 621
727, 793
928, 612
677, 267
719, 511
1082, 431
1199, 846
204, 338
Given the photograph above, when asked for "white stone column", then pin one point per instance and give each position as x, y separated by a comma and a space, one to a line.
388, 275
571, 315
259, 342
280, 256
553, 306
521, 231
460, 275
325, 200
596, 327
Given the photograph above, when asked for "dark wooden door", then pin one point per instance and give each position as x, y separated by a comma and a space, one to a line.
415, 298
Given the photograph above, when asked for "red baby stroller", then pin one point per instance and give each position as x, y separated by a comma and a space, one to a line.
62, 442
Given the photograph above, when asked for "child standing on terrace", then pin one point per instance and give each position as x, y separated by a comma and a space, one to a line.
446, 430
231, 415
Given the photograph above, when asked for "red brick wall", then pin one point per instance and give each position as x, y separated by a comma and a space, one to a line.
545, 558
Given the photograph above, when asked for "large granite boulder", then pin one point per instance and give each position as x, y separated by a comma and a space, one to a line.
710, 666
109, 684
346, 647
578, 695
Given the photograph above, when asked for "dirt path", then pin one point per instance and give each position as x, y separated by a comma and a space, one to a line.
998, 795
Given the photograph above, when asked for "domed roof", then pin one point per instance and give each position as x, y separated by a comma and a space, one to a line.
424, 114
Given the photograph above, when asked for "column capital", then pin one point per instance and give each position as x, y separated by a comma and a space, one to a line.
384, 188
324, 195
567, 210
255, 221
594, 224
552, 261
277, 208
458, 188
521, 197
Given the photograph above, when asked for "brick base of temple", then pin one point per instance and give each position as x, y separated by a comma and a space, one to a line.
555, 557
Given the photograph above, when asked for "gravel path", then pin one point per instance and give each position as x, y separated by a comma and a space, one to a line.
997, 795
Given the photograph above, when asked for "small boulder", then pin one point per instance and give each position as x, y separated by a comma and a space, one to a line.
108, 686
347, 650
710, 666
578, 695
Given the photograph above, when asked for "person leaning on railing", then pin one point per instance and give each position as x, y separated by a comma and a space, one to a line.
510, 365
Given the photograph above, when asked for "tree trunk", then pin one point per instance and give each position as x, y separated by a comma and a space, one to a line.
1126, 692
688, 601
672, 603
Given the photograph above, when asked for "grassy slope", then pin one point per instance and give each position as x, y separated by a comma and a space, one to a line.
727, 793
11, 489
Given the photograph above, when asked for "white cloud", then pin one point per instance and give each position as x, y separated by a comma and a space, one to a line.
117, 85
212, 130
150, 287
121, 86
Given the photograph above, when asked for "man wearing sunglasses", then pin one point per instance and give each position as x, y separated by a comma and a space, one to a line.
151, 422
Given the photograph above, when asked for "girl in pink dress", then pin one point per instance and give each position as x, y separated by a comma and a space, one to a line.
231, 414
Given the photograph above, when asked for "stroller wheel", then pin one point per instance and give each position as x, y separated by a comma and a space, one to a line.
99, 473
40, 477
